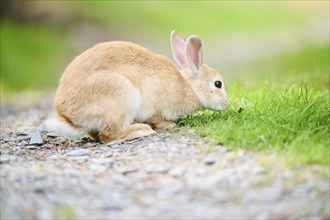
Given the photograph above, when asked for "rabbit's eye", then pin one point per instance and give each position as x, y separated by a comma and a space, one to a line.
218, 84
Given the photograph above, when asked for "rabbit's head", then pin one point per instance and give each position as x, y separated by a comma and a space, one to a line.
207, 83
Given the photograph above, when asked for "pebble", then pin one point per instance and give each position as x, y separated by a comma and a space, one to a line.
52, 135
79, 152
178, 171
36, 139
210, 160
127, 170
161, 168
48, 146
31, 147
20, 145
90, 144
114, 144
22, 138
105, 148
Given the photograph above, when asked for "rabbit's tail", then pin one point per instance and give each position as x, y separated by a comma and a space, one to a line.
62, 127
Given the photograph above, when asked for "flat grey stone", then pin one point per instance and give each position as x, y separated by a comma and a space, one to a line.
36, 139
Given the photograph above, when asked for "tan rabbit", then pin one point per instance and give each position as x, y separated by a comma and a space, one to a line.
119, 90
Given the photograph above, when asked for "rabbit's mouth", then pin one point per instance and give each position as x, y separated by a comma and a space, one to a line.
219, 107
216, 106
223, 106
226, 104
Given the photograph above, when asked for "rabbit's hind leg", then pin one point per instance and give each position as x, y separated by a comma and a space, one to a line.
136, 131
112, 133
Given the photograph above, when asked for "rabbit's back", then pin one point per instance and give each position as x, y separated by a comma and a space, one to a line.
119, 57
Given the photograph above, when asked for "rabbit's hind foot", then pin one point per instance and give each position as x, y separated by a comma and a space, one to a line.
134, 131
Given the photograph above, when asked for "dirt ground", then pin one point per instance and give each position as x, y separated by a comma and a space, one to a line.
172, 175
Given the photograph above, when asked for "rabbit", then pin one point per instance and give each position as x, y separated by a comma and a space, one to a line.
118, 91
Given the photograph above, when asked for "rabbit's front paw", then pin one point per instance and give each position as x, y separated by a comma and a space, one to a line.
164, 125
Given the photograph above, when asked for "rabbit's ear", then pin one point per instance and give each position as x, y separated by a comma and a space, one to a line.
194, 54
178, 44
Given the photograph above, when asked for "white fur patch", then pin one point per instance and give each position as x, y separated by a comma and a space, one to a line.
63, 128
146, 109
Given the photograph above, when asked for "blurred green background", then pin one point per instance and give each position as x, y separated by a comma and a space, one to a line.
39, 38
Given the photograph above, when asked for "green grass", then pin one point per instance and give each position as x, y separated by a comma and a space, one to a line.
286, 113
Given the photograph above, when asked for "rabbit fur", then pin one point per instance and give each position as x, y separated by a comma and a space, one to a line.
121, 91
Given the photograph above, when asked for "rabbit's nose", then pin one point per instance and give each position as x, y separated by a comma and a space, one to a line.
226, 103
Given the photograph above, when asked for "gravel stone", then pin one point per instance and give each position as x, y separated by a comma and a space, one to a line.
36, 139
159, 168
210, 160
32, 147
52, 135
22, 138
105, 148
128, 170
20, 145
114, 144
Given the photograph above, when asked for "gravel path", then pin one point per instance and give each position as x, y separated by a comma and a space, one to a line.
171, 175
